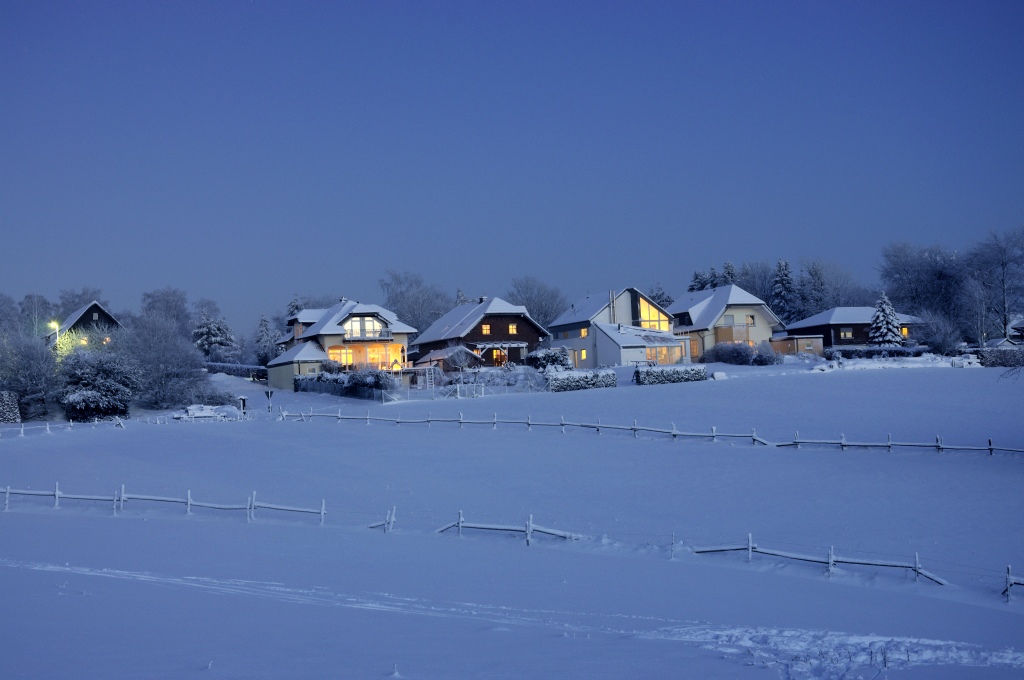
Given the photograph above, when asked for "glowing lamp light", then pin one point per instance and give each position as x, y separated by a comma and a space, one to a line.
85, 341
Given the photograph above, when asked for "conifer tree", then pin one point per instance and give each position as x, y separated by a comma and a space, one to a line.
885, 325
266, 346
728, 275
783, 297
660, 296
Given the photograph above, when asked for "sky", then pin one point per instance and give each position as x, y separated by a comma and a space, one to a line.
248, 151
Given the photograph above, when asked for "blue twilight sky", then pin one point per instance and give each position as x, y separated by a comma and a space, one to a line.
245, 151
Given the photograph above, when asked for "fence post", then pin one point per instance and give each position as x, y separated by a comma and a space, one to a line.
391, 520
367, 416
750, 547
842, 442
398, 419
672, 548
121, 498
56, 494
495, 427
753, 436
714, 432
529, 427
938, 443
634, 428
561, 419
889, 440
48, 428
599, 426
323, 510
428, 418
675, 433
252, 513
7, 497
22, 430
460, 415
248, 509
990, 446
796, 439
460, 522
917, 568
529, 529
831, 560
115, 503
1009, 582
188, 502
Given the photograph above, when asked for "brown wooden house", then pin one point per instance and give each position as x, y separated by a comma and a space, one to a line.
496, 331
845, 326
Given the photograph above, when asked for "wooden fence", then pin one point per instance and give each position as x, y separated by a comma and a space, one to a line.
714, 435
529, 528
1011, 581
829, 560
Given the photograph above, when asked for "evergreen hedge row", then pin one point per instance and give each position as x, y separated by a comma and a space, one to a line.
567, 381
660, 375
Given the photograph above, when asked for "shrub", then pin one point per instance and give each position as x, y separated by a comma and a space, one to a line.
566, 381
9, 408
508, 375
97, 385
833, 353
1004, 358
764, 355
737, 353
659, 375
556, 358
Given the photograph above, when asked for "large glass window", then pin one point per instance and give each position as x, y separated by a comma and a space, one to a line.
363, 327
652, 318
583, 332
343, 355
513, 329
846, 333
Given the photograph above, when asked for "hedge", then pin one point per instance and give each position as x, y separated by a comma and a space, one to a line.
660, 375
1004, 358
567, 381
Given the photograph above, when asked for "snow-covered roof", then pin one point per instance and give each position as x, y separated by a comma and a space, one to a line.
311, 315
74, 317
330, 321
845, 315
582, 310
634, 336
706, 306
304, 351
444, 353
1000, 343
460, 320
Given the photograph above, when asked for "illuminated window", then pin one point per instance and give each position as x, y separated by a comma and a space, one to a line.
363, 327
512, 329
343, 355
583, 354
485, 328
652, 318
846, 333
750, 320
499, 358
375, 356
583, 332
904, 331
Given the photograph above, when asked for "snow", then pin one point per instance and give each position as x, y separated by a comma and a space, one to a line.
154, 592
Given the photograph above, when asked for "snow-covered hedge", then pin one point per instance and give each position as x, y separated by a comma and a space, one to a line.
833, 353
556, 358
376, 379
9, 407
1005, 358
659, 375
566, 381
238, 370
508, 375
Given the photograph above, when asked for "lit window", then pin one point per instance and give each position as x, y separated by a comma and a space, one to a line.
485, 329
512, 329
499, 358
583, 332
583, 354
904, 331
363, 327
343, 355
846, 333
652, 318
750, 320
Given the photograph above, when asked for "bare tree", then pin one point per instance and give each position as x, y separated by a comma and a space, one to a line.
544, 302
756, 278
171, 304
71, 300
414, 301
998, 264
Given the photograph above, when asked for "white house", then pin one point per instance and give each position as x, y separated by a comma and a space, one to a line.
723, 314
617, 329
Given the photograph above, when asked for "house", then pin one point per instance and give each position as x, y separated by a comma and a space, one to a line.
617, 329
493, 329
1000, 343
726, 314
844, 326
89, 320
350, 333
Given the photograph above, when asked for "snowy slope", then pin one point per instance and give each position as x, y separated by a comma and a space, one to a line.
155, 593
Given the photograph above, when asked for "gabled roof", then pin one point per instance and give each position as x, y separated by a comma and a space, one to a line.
76, 315
331, 320
463, 318
589, 306
706, 306
845, 316
304, 351
311, 315
634, 336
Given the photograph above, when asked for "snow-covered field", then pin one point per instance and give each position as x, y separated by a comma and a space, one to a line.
156, 593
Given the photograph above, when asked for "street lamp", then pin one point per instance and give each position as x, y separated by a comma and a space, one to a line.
56, 331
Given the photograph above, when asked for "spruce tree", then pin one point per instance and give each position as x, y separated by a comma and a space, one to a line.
698, 282
266, 347
885, 325
660, 297
728, 275
783, 297
215, 340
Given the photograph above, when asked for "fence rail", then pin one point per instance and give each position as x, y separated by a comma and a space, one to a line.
714, 435
829, 560
529, 528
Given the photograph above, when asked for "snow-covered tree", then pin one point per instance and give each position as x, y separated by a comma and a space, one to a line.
265, 342
97, 384
171, 366
544, 302
811, 289
215, 340
783, 297
460, 297
71, 300
36, 313
885, 325
28, 368
171, 304
413, 300
700, 281
660, 296
728, 274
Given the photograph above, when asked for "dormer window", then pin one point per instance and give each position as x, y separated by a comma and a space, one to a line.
363, 327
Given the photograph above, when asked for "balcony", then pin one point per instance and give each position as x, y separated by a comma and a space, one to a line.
369, 334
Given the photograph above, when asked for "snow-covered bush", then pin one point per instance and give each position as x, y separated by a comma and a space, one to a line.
9, 407
1003, 358
27, 368
660, 375
566, 381
737, 353
509, 375
97, 384
544, 359
851, 352
885, 325
764, 355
